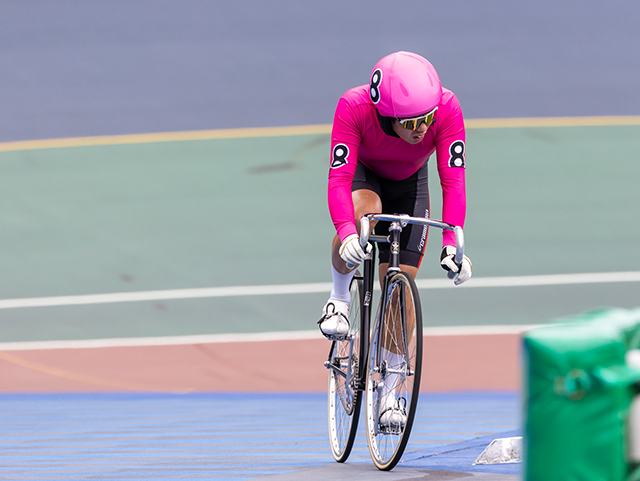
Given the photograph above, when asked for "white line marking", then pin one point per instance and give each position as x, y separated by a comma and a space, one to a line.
320, 287
541, 280
250, 337
164, 295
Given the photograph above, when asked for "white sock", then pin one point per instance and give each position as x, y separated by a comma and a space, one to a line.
388, 394
341, 282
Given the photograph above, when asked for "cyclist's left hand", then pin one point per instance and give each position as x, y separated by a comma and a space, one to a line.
449, 264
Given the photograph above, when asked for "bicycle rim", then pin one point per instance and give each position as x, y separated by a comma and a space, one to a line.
394, 377
344, 398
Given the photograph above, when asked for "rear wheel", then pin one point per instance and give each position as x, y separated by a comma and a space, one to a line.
393, 371
344, 371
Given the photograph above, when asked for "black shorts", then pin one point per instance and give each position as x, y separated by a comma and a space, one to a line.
409, 196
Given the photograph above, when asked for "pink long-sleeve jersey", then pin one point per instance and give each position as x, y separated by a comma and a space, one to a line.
357, 136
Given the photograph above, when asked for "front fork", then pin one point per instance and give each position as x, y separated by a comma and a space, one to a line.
394, 267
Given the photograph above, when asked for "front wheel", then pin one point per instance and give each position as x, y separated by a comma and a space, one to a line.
344, 374
393, 371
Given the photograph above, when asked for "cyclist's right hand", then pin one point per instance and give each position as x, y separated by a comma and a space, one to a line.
352, 252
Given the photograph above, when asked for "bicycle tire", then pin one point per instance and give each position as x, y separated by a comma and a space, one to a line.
387, 443
344, 397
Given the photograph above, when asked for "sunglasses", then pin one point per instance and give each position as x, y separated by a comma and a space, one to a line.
414, 123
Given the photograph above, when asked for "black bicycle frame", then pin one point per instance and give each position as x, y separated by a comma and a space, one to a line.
368, 282
368, 266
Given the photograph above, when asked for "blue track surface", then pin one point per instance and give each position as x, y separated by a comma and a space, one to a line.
223, 436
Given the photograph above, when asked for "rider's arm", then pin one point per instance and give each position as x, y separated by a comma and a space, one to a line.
345, 140
450, 153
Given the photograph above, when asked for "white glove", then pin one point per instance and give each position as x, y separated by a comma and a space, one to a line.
352, 252
449, 264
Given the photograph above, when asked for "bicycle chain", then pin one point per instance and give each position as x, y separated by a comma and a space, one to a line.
354, 369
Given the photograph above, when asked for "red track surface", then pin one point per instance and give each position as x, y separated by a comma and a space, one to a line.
451, 363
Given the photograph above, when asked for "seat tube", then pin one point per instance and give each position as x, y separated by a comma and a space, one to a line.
367, 295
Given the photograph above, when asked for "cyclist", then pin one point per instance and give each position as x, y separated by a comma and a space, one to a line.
383, 134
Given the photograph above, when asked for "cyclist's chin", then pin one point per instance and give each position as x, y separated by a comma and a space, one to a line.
415, 139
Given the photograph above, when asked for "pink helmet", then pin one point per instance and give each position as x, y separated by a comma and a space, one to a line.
404, 85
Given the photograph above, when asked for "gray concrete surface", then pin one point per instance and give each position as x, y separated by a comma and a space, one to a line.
74, 68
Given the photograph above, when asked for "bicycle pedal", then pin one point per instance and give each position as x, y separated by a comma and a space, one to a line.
339, 338
387, 431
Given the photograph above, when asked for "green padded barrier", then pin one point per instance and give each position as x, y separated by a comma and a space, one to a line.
577, 392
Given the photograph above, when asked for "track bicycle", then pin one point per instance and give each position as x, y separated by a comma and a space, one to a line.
384, 363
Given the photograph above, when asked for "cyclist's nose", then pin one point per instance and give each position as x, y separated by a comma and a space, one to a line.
422, 128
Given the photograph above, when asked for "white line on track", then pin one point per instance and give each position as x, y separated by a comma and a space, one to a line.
540, 280
249, 337
320, 287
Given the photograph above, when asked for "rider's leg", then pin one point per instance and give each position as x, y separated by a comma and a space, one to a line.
413, 242
364, 202
336, 311
412, 270
410, 196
